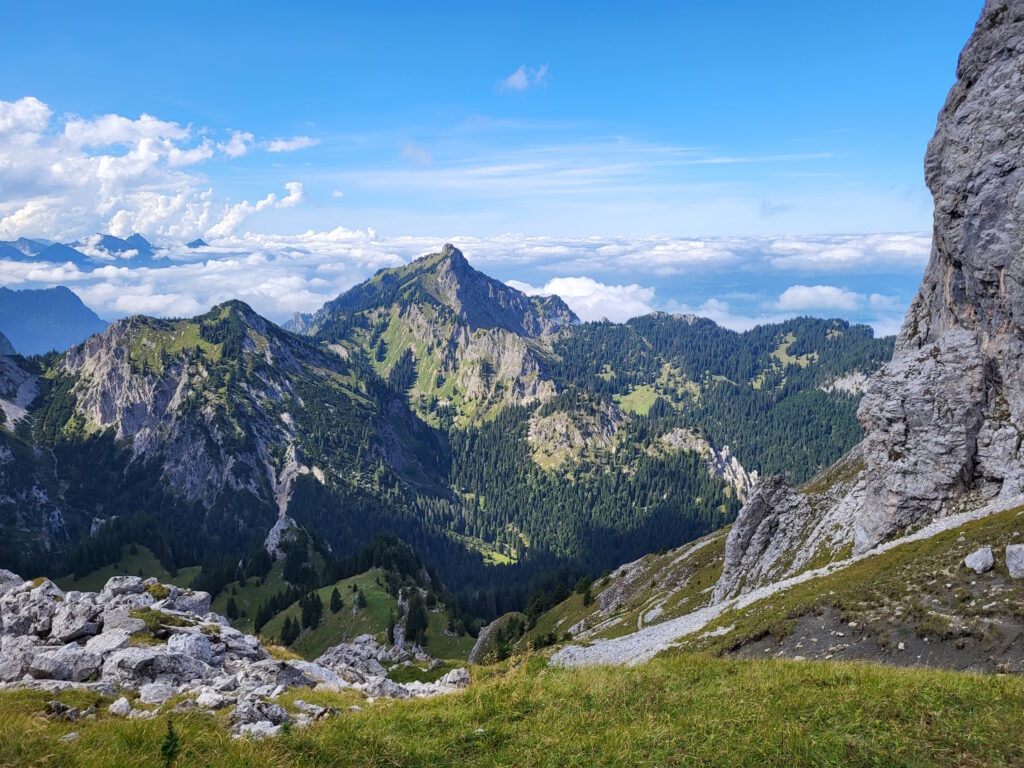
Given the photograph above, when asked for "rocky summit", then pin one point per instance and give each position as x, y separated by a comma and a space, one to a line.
163, 647
943, 419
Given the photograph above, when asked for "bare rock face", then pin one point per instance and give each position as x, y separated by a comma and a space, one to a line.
943, 420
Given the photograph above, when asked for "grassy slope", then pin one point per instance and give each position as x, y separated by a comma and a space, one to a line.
143, 562
688, 710
351, 621
250, 597
922, 585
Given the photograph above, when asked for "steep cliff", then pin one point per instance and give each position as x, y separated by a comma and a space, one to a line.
943, 420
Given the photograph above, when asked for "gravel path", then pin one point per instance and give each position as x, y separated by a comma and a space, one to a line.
645, 644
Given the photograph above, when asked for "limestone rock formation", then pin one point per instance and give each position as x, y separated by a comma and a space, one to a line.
943, 420
53, 641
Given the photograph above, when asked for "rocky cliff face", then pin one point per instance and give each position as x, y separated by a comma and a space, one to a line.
943, 420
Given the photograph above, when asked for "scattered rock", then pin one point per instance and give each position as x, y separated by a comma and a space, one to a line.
120, 708
1015, 560
259, 730
56, 710
980, 560
210, 699
155, 693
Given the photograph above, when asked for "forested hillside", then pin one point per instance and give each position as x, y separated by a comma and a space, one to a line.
513, 447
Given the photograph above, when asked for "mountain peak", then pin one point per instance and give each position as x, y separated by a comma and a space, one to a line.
447, 279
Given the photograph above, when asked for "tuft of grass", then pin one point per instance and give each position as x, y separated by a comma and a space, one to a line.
158, 591
157, 620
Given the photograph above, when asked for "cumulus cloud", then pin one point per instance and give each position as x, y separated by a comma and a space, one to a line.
239, 212
524, 78
594, 300
296, 194
825, 297
238, 145
69, 177
115, 129
26, 114
291, 145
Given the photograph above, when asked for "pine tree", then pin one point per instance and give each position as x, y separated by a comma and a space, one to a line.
232, 609
336, 604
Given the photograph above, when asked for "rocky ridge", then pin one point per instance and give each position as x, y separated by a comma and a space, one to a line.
155, 642
943, 420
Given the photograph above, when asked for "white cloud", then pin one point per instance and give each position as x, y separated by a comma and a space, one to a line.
114, 129
26, 114
296, 194
291, 145
337, 193
824, 297
64, 180
594, 300
524, 78
835, 253
239, 143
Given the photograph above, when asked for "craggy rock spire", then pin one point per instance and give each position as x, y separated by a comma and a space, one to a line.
943, 420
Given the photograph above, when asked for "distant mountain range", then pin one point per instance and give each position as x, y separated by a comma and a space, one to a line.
91, 251
481, 425
36, 321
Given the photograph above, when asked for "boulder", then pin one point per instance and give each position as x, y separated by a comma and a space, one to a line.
120, 708
210, 699
8, 581
980, 560
382, 687
130, 666
457, 678
322, 676
190, 644
121, 585
108, 642
77, 616
16, 654
68, 663
259, 730
188, 602
1015, 560
155, 693
120, 619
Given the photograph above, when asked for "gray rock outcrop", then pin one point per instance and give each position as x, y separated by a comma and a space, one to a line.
52, 642
943, 421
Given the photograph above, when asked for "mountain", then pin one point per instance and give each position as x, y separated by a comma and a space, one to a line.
224, 414
21, 247
483, 426
109, 248
908, 548
43, 319
461, 343
6, 348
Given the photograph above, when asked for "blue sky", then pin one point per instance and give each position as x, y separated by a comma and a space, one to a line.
549, 142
